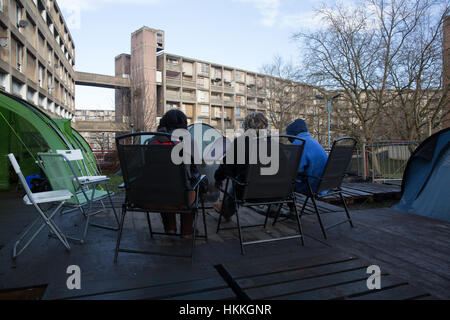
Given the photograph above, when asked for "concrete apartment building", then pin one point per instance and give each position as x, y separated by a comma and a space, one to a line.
206, 92
37, 55
97, 140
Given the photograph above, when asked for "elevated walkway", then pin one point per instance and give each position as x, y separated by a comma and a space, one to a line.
100, 80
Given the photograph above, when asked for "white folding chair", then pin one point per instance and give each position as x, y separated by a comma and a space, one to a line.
36, 199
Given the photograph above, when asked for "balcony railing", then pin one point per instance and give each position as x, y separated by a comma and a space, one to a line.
173, 67
189, 84
188, 97
172, 96
173, 82
216, 100
228, 89
216, 88
229, 103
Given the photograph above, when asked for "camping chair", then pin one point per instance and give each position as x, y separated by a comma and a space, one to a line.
62, 175
37, 199
266, 190
154, 184
76, 156
80, 168
330, 182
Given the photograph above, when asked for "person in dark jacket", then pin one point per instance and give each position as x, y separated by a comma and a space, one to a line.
172, 120
313, 159
255, 121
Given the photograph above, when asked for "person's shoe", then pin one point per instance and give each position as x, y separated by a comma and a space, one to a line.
171, 231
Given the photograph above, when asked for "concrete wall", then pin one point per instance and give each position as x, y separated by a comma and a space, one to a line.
123, 103
143, 78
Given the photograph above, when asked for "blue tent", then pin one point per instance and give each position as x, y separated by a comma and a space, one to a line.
426, 182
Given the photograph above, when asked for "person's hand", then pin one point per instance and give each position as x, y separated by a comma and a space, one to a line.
218, 184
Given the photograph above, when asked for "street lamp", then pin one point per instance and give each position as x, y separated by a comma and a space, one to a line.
329, 101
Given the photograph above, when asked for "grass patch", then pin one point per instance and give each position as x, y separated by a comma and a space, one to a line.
114, 183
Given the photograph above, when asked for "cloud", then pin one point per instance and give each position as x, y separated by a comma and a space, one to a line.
269, 10
72, 9
306, 20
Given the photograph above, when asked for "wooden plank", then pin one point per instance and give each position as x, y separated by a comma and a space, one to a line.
164, 291
300, 273
342, 290
293, 287
402, 292
266, 265
219, 294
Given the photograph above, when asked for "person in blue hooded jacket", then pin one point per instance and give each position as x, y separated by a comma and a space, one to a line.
313, 159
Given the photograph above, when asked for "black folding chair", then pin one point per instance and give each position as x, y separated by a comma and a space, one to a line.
266, 190
331, 180
154, 184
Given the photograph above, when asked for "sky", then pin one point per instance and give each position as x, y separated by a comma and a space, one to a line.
244, 34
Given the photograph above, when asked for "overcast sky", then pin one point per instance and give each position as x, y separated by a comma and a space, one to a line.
239, 33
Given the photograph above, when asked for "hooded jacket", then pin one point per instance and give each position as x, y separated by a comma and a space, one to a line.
313, 159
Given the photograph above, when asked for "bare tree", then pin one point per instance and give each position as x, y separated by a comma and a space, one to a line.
358, 51
286, 98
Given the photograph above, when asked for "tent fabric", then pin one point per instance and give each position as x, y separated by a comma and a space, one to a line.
427, 179
25, 131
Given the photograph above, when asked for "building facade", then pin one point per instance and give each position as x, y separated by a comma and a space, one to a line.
211, 93
37, 55
97, 140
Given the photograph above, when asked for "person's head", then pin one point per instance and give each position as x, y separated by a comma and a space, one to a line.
296, 127
255, 121
172, 120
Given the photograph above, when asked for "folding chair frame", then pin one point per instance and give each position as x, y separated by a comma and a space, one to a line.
313, 196
48, 219
240, 203
80, 186
126, 207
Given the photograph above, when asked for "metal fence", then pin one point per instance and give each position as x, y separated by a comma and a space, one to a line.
382, 161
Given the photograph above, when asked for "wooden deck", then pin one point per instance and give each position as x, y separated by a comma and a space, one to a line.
412, 252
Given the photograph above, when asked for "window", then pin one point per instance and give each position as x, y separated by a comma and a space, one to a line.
19, 56
18, 13
40, 75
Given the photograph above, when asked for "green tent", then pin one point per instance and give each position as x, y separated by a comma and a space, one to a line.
25, 131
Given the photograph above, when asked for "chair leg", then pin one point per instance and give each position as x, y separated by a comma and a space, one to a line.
47, 221
204, 219
277, 216
112, 206
149, 223
299, 223
194, 234
346, 209
304, 206
241, 240
119, 236
319, 217
223, 201
220, 221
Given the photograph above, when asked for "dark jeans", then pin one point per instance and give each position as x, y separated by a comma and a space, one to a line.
186, 221
228, 205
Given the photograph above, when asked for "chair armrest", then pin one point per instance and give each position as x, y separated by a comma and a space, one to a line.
197, 183
237, 181
307, 176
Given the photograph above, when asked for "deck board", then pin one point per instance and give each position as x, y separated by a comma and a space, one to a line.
413, 252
